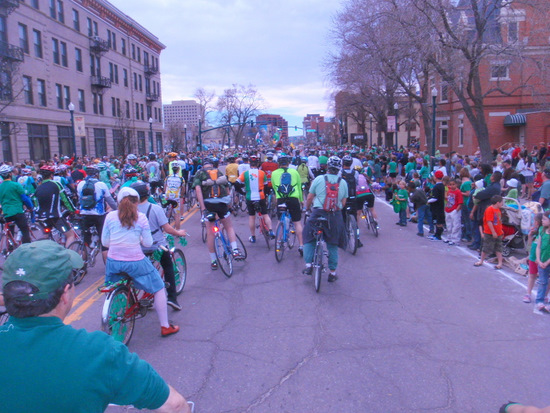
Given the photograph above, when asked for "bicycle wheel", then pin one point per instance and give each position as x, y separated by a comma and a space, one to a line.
265, 232
204, 232
291, 235
279, 243
79, 247
318, 266
242, 203
180, 269
241, 246
351, 228
117, 319
224, 256
170, 213
273, 206
372, 223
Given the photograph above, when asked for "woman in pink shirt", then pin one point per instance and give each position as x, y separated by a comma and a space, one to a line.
124, 231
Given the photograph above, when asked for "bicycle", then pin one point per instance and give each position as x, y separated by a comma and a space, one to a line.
88, 253
222, 246
178, 262
262, 225
369, 220
8, 242
190, 198
285, 234
319, 261
169, 206
351, 230
272, 204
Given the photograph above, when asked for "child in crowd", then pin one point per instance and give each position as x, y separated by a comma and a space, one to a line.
492, 233
533, 269
420, 200
477, 227
453, 205
402, 200
543, 262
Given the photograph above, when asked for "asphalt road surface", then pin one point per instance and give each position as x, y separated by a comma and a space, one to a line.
410, 326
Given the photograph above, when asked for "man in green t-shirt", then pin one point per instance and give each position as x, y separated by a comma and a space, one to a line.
12, 203
51, 367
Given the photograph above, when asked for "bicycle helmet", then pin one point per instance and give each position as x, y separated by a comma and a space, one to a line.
172, 155
5, 170
283, 159
26, 171
141, 188
91, 170
152, 156
334, 162
269, 155
47, 168
129, 171
101, 166
244, 157
62, 168
347, 160
304, 158
131, 157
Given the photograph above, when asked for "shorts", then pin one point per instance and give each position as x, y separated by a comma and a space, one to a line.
144, 275
219, 208
529, 179
393, 174
178, 208
252, 210
59, 224
438, 216
533, 267
491, 244
293, 208
365, 199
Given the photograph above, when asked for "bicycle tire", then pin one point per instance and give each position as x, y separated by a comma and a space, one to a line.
273, 206
204, 233
279, 243
291, 235
242, 203
241, 246
79, 247
351, 229
265, 232
223, 256
170, 214
318, 266
373, 225
115, 319
180, 269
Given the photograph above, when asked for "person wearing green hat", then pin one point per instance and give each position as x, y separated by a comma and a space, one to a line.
85, 370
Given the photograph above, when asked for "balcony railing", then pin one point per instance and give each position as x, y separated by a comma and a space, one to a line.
7, 6
97, 44
11, 52
150, 70
151, 97
101, 81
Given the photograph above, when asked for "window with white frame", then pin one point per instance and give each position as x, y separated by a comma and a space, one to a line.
461, 133
444, 133
444, 92
513, 29
500, 71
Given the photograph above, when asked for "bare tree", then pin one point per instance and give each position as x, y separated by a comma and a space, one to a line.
239, 104
176, 135
205, 98
10, 91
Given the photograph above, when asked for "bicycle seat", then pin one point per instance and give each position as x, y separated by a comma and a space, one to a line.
256, 205
211, 216
282, 207
123, 274
172, 202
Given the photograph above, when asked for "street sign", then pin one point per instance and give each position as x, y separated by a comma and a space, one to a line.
311, 130
391, 123
79, 126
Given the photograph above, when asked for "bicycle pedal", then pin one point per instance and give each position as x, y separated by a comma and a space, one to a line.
146, 303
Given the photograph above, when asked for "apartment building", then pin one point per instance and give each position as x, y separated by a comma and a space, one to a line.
182, 112
276, 122
84, 55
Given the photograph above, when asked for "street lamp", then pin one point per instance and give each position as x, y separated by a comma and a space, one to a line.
434, 105
185, 131
370, 118
395, 108
151, 148
200, 135
71, 109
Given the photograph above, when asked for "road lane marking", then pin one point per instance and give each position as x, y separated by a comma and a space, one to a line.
78, 312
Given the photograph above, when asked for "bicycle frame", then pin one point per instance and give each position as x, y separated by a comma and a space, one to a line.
8, 243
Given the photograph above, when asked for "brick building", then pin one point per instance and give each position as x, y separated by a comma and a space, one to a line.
85, 52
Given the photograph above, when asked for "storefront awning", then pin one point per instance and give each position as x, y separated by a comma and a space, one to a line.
515, 120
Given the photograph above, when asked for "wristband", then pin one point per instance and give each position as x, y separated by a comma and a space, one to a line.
504, 408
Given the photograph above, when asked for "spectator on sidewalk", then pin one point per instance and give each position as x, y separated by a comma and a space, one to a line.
420, 200
492, 232
533, 268
437, 205
543, 262
453, 206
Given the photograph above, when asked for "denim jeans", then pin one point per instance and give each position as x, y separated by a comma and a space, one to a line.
542, 281
309, 250
403, 216
421, 214
476, 236
466, 223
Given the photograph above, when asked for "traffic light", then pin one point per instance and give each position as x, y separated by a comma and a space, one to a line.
295, 128
251, 123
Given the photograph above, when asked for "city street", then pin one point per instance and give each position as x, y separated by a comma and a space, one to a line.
410, 326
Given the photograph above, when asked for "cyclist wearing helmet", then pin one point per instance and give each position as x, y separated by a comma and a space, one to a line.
174, 161
291, 195
323, 161
132, 162
305, 173
93, 213
174, 189
154, 173
351, 176
313, 164
254, 181
316, 198
27, 181
212, 189
11, 194
158, 224
49, 195
268, 167
232, 170
245, 166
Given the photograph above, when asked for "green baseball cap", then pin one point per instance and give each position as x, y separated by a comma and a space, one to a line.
44, 264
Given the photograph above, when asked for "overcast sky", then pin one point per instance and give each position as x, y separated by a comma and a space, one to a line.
277, 45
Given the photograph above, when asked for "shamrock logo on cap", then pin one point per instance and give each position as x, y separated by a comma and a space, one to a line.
20, 272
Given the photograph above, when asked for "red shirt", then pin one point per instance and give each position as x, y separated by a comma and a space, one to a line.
493, 215
453, 199
268, 167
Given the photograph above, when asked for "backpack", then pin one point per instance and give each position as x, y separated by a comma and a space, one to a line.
362, 185
285, 187
88, 201
331, 198
216, 190
349, 177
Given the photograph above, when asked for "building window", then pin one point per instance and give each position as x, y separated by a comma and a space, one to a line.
111, 72
513, 32
149, 112
141, 141
67, 93
118, 142
461, 133
137, 111
96, 29
139, 55
37, 40
76, 20
60, 14
444, 92
113, 40
135, 81
133, 51
41, 87
55, 51
145, 58
78, 58
141, 111
39, 142
499, 72
125, 77
100, 138
64, 58
3, 29
81, 101
23, 38
89, 27
140, 83
116, 74
6, 142
159, 141
118, 112
109, 37
27, 90
127, 103
100, 103
59, 96
123, 46
94, 103
34, 3
52, 9
443, 133
113, 107
65, 138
